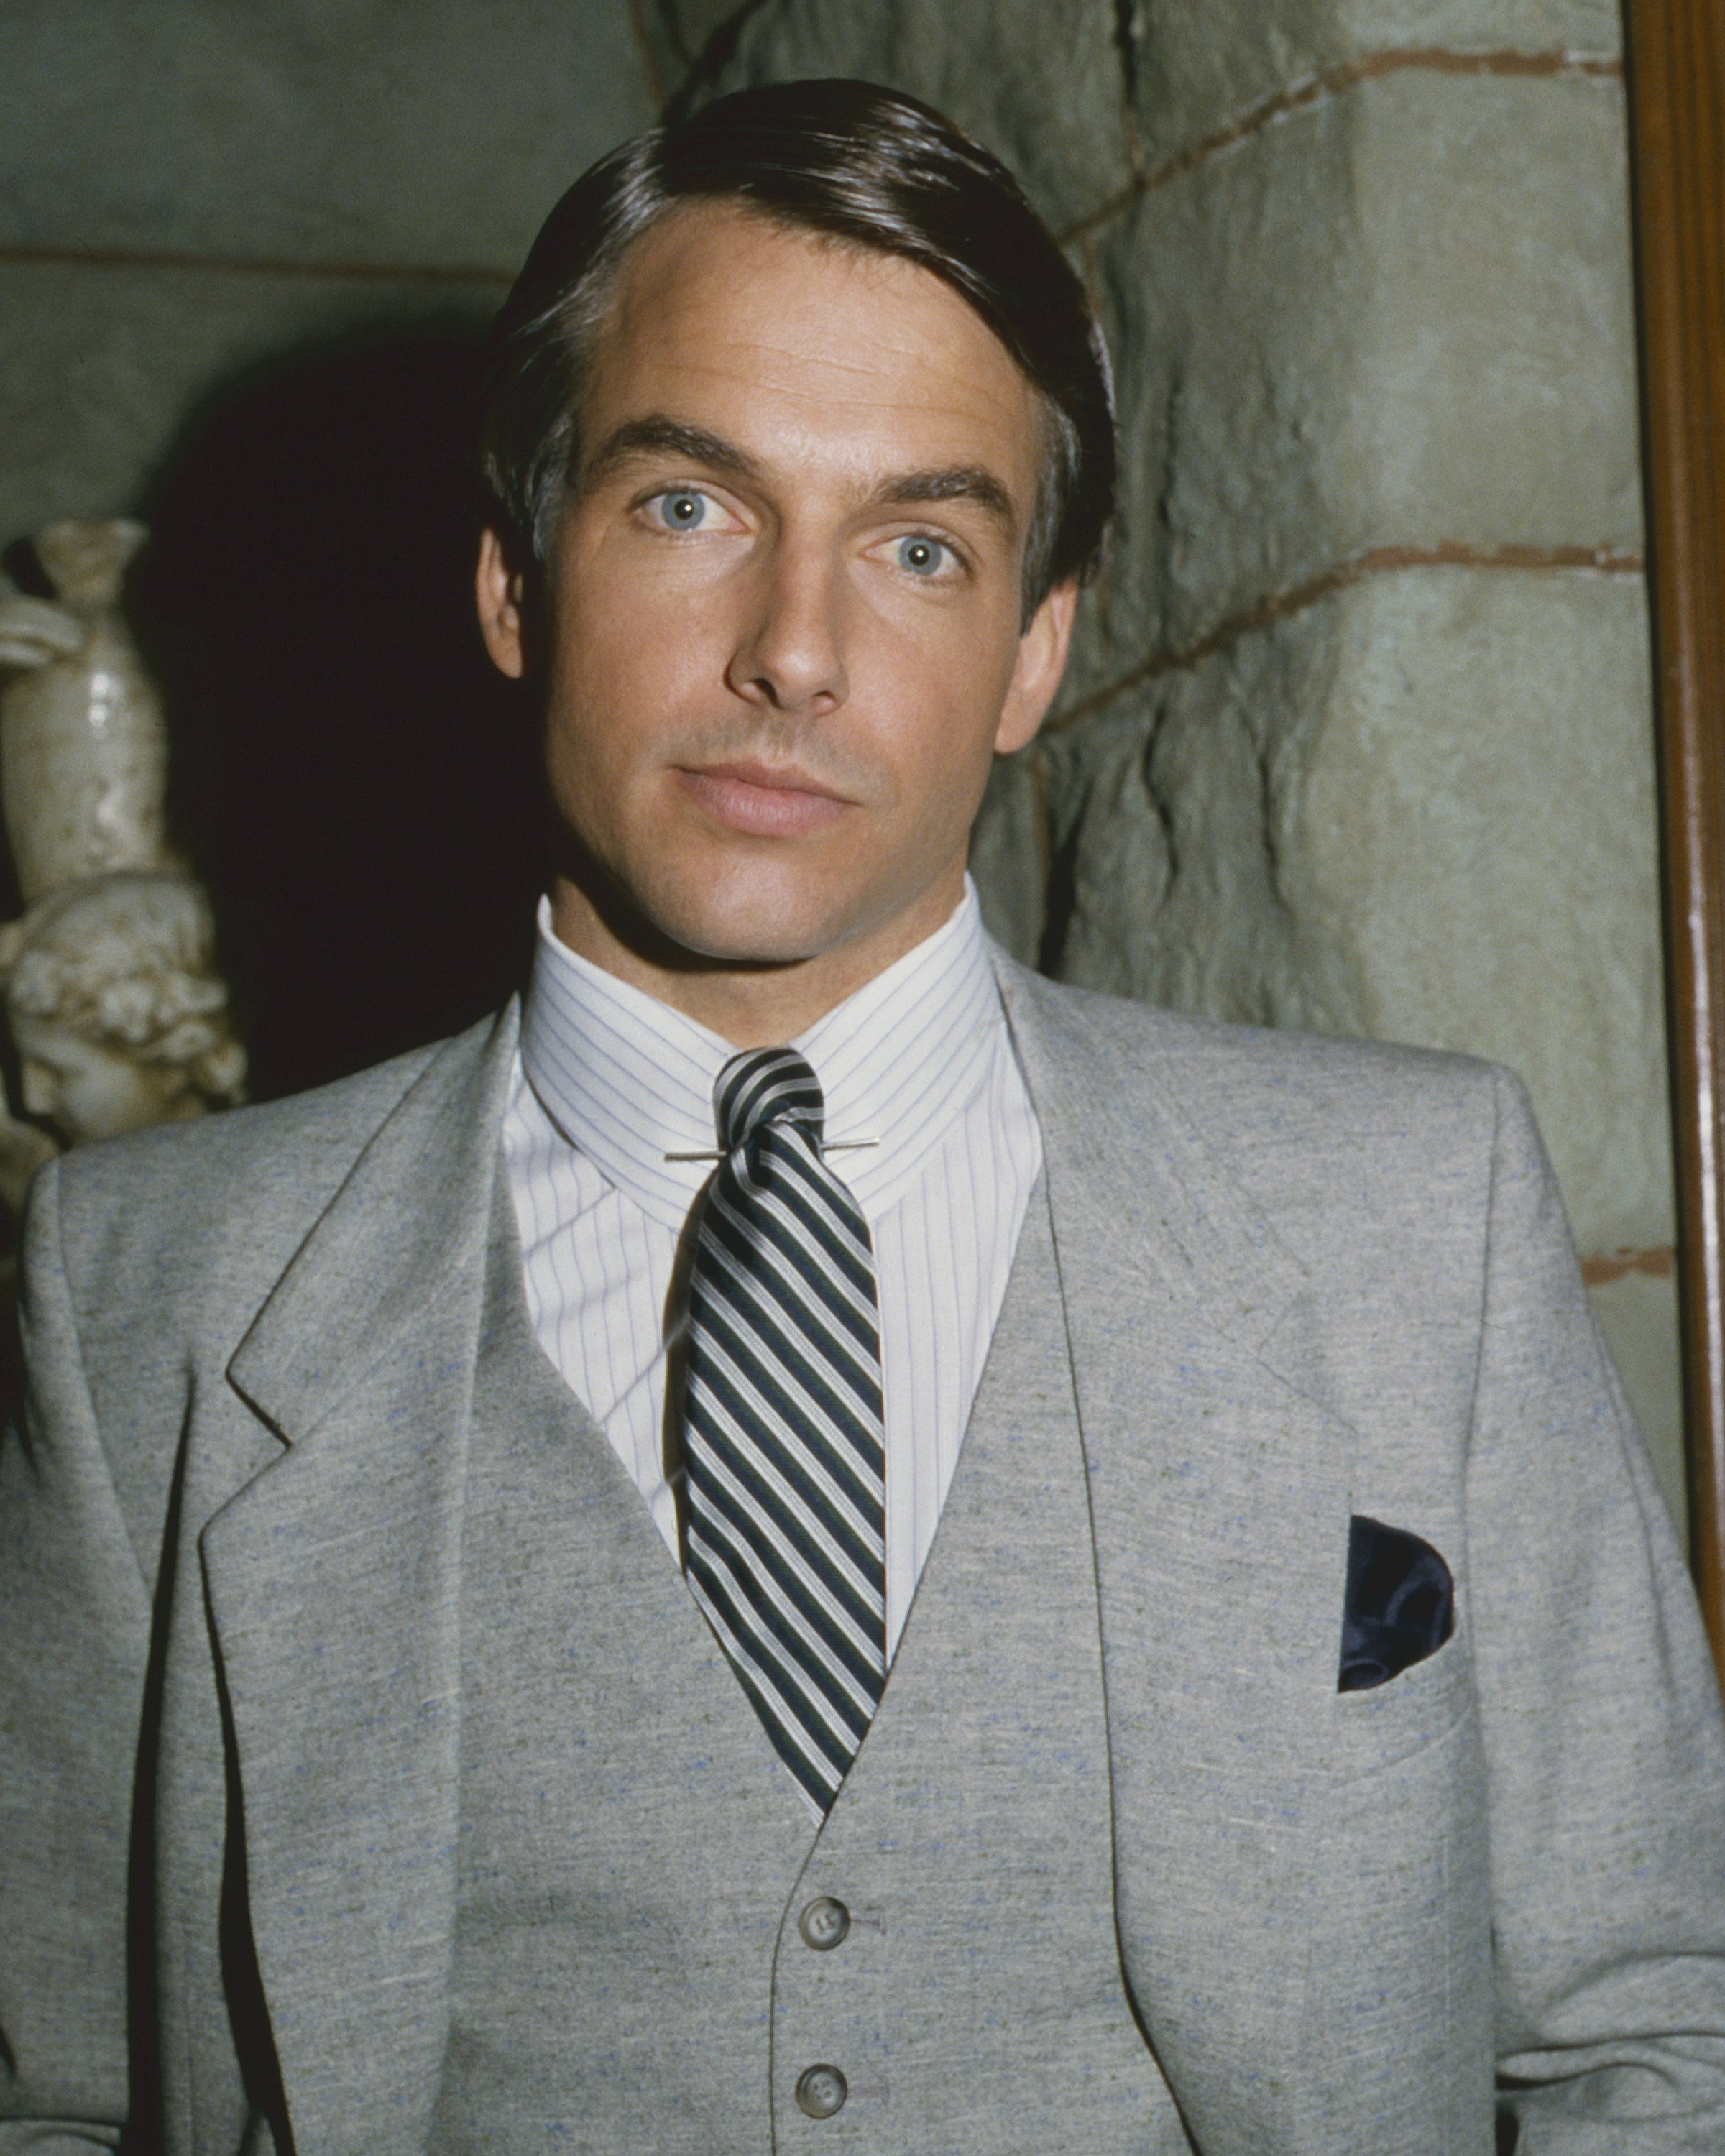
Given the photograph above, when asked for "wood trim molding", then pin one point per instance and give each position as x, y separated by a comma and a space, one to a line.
1676, 86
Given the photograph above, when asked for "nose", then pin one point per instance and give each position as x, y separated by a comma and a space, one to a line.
789, 657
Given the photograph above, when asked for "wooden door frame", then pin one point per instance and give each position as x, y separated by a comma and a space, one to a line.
1677, 89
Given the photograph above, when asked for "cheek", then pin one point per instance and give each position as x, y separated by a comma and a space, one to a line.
627, 661
92, 1092
115, 1100
931, 692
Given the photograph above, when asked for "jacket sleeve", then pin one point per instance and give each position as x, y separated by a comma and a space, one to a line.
74, 1644
1605, 1757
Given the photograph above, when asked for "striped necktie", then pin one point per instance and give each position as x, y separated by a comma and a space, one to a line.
784, 1443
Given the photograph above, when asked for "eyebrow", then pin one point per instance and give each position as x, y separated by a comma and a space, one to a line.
955, 483
659, 434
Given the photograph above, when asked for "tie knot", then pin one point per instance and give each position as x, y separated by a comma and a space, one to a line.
766, 1085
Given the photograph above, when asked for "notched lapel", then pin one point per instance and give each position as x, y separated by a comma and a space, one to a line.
409, 1223
1120, 1136
333, 1580
1224, 1485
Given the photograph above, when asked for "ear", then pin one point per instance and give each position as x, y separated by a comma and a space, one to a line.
1036, 673
498, 589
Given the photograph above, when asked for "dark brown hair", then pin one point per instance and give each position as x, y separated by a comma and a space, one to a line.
865, 165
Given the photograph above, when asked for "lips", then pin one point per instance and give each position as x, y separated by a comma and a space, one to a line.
765, 800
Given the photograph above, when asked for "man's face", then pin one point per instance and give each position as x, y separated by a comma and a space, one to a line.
783, 612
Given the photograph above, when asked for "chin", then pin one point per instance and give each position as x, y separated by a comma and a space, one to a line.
756, 926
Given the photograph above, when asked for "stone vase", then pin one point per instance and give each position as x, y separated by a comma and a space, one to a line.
83, 746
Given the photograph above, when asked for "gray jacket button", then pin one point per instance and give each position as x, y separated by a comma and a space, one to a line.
824, 1923
821, 2091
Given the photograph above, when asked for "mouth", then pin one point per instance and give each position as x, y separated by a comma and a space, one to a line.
773, 801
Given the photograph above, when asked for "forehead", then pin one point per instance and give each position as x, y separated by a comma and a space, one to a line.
806, 347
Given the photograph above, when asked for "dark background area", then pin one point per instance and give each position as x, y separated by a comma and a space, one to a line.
351, 775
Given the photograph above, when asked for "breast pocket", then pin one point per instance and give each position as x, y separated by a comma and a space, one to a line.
1373, 1730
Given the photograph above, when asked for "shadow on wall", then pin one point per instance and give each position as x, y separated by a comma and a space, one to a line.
353, 779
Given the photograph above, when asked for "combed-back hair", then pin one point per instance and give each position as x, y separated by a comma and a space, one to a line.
861, 164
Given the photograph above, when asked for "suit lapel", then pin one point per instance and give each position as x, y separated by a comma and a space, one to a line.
1181, 1306
332, 1579
1219, 1501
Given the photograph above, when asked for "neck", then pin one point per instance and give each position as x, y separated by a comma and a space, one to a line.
751, 1004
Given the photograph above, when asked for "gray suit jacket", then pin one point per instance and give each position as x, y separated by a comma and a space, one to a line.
1301, 1280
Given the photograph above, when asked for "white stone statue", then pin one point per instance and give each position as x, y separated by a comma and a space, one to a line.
111, 992
118, 1013
83, 748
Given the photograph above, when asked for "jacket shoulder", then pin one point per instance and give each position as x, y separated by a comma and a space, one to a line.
227, 1199
1227, 1076
1359, 1155
163, 1247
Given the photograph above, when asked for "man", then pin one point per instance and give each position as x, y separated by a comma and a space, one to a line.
827, 1544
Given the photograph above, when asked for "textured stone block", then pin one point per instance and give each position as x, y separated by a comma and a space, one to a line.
1007, 849
432, 132
1177, 846
1042, 87
1421, 810
104, 366
1481, 833
1199, 69
1638, 1315
1402, 318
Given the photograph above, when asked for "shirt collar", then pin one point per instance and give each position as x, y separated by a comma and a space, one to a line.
627, 1080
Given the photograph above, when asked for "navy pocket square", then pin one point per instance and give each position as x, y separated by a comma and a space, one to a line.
1400, 1607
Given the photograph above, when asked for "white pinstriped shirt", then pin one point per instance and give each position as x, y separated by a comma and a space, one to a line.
610, 1081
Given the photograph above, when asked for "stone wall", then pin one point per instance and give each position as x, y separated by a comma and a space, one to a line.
1358, 735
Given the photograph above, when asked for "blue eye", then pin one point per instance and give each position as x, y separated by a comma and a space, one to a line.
919, 556
682, 510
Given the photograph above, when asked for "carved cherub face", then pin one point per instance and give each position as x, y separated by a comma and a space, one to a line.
89, 1091
117, 1009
